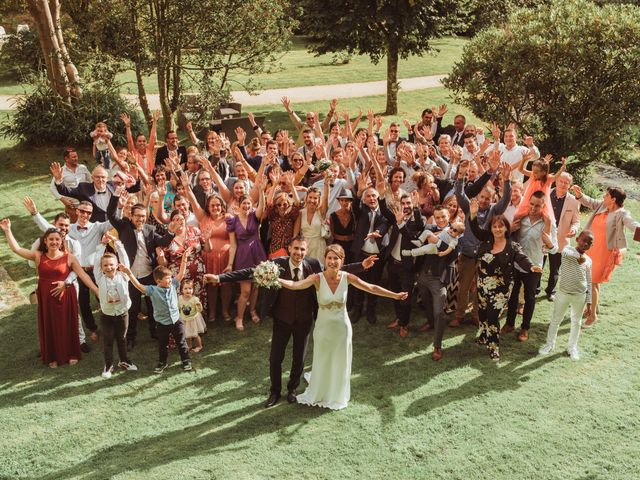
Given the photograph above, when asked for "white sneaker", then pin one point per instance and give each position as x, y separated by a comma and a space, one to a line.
546, 349
107, 372
128, 366
574, 355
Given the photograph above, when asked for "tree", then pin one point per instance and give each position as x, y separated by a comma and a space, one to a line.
565, 73
192, 45
391, 28
62, 73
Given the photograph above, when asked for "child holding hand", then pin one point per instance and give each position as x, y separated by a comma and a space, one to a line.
164, 297
114, 303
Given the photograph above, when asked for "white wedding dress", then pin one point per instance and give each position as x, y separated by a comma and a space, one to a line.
330, 379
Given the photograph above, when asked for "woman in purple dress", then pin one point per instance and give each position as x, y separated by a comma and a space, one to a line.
246, 251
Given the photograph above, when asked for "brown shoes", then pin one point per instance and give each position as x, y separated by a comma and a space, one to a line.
456, 322
436, 355
523, 336
393, 325
426, 327
506, 329
404, 332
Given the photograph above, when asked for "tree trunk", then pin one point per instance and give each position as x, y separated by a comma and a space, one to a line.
41, 13
163, 94
73, 77
392, 79
142, 96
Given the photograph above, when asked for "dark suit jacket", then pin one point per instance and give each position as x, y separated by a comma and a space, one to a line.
472, 189
448, 130
270, 296
361, 213
201, 196
126, 233
87, 191
163, 153
411, 230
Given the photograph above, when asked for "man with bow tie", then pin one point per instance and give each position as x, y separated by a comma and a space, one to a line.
293, 312
98, 193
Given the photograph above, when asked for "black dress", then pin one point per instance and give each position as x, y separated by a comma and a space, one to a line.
348, 232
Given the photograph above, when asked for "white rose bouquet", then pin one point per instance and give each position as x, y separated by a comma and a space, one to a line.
323, 164
266, 275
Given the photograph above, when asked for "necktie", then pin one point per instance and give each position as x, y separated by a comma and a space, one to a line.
296, 274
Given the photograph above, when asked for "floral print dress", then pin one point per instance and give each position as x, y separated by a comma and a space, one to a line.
493, 295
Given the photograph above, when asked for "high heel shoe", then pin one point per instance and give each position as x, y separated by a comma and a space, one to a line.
254, 317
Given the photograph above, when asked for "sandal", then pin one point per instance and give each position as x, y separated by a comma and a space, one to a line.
494, 356
53, 364
254, 317
73, 361
226, 317
196, 350
239, 325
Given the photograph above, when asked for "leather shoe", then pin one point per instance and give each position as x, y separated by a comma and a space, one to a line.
551, 297
523, 336
426, 327
85, 348
506, 329
393, 325
456, 322
291, 396
404, 332
436, 355
272, 400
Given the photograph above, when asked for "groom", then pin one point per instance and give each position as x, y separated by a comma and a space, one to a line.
293, 312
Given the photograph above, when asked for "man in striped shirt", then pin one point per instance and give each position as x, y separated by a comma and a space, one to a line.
574, 289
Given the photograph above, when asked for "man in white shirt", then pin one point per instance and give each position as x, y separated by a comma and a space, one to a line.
512, 152
72, 174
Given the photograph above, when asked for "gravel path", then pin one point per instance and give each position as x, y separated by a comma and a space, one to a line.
296, 94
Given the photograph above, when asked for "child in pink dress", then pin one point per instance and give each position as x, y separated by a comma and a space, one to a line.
539, 179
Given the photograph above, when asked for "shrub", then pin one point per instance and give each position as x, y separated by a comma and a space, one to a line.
42, 117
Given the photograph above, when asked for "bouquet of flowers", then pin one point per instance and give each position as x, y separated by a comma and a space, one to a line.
323, 164
266, 275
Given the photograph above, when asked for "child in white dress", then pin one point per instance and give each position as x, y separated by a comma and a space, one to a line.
190, 313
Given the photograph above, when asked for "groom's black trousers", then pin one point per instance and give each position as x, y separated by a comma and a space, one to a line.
282, 332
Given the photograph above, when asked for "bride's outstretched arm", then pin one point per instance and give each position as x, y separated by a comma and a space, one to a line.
375, 289
311, 280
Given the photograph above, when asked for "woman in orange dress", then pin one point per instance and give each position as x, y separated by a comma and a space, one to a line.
609, 243
216, 247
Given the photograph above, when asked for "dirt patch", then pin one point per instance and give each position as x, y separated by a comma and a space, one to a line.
10, 294
610, 176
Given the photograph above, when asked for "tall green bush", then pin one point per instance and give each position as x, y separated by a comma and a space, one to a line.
41, 117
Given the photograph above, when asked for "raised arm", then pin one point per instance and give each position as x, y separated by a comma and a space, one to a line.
192, 135
183, 264
286, 103
134, 281
5, 225
327, 120
562, 168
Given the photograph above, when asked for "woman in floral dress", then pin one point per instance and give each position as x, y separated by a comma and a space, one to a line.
496, 257
186, 236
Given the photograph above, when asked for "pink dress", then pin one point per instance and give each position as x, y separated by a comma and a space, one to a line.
217, 259
534, 186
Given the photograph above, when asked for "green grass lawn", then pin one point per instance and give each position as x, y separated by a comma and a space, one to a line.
462, 418
299, 68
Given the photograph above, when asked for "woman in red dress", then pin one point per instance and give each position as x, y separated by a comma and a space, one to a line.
57, 303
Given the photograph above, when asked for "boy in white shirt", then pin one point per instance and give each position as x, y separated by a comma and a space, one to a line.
114, 303
574, 289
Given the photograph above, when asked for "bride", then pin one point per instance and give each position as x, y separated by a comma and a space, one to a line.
329, 385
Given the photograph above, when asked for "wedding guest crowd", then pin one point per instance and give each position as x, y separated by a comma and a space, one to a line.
442, 207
